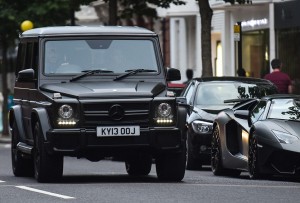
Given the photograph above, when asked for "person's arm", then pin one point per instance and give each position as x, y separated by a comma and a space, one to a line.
290, 89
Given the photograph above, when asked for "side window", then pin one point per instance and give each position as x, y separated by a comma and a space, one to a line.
189, 93
27, 56
258, 111
28, 61
21, 57
35, 58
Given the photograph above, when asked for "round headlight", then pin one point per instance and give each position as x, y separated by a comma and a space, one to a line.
164, 109
65, 111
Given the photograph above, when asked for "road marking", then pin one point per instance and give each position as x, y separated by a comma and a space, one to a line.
45, 192
2, 181
250, 186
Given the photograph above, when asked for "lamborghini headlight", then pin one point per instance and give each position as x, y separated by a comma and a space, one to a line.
202, 127
284, 137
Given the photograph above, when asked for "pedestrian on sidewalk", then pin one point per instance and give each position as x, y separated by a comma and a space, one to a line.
280, 79
189, 75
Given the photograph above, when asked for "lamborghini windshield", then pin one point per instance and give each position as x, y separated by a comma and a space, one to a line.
110, 56
287, 109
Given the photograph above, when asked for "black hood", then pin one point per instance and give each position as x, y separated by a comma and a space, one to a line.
106, 89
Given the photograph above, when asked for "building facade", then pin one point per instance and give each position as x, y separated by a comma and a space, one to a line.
260, 37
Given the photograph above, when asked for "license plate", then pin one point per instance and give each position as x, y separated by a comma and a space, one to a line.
109, 131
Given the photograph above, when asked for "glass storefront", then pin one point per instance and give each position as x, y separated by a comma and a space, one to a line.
288, 50
287, 32
255, 52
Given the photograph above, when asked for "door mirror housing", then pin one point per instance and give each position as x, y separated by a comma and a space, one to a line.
243, 114
26, 75
173, 74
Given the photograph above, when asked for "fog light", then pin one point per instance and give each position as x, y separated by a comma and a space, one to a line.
164, 121
62, 122
203, 148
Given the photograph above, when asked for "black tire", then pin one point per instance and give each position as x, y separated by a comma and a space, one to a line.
171, 167
21, 166
216, 156
139, 165
192, 163
47, 168
253, 159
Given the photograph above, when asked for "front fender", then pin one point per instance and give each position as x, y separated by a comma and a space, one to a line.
15, 114
181, 119
40, 115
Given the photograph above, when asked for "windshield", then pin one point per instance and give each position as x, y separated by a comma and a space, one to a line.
215, 93
287, 109
115, 56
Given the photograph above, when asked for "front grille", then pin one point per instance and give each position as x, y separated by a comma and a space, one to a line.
285, 161
98, 113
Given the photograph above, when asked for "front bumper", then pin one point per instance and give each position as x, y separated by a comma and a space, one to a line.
78, 142
201, 146
279, 158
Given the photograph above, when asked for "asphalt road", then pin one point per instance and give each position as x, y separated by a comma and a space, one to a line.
107, 181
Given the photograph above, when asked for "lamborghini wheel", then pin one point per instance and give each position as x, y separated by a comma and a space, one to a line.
253, 159
216, 157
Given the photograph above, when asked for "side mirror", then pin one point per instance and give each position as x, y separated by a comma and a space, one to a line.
173, 74
243, 114
26, 75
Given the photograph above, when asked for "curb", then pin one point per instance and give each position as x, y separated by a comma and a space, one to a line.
5, 139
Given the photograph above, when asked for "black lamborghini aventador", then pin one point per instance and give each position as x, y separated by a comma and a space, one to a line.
261, 136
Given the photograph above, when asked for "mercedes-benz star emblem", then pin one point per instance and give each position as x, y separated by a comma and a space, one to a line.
116, 112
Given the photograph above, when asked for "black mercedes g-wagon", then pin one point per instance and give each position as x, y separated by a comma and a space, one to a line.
95, 92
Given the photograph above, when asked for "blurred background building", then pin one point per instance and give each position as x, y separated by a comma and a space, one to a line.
269, 30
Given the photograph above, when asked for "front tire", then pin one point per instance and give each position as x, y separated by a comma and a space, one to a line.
216, 156
171, 167
21, 166
253, 159
47, 168
139, 165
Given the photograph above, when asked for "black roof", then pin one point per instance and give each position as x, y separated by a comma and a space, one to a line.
233, 78
86, 30
281, 96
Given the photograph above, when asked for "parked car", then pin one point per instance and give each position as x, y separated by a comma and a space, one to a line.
261, 136
205, 97
95, 92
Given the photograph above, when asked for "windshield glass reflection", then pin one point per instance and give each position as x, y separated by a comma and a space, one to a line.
116, 56
288, 109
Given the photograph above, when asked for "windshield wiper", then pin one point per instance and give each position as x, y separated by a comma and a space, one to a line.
132, 72
236, 100
89, 72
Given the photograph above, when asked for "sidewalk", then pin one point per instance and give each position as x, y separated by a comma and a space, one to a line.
5, 139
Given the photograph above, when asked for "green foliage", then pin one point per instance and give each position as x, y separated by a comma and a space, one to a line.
144, 7
40, 12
